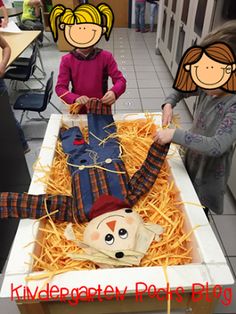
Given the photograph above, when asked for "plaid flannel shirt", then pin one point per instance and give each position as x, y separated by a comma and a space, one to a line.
95, 169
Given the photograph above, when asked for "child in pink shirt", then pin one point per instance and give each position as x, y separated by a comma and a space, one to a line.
88, 75
87, 68
4, 21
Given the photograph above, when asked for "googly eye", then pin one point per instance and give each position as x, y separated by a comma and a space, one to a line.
109, 239
123, 233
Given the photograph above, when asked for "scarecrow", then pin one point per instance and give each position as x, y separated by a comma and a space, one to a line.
96, 169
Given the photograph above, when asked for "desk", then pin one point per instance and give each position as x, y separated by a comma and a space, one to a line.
12, 12
18, 43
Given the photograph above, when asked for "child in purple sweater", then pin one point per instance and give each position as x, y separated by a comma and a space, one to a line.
87, 68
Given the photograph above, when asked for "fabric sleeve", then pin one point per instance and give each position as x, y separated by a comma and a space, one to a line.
23, 205
214, 146
63, 81
175, 96
1, 4
118, 80
142, 181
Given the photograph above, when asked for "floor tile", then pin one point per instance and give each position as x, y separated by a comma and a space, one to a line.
160, 67
142, 83
121, 62
129, 75
152, 93
215, 230
9, 307
159, 62
164, 74
144, 68
122, 56
127, 68
127, 60
142, 62
166, 82
122, 51
153, 104
226, 227
229, 204
130, 93
231, 308
146, 75
132, 84
232, 261
128, 104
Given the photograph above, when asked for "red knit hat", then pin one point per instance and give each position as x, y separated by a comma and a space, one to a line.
105, 204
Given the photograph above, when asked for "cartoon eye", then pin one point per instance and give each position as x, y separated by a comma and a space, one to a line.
212, 67
123, 234
84, 27
128, 210
207, 67
109, 239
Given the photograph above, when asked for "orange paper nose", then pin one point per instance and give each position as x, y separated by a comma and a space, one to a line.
111, 225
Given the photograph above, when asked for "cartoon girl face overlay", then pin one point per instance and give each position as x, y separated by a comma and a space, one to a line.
83, 35
209, 68
83, 27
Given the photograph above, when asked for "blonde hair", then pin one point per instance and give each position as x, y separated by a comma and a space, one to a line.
219, 52
84, 13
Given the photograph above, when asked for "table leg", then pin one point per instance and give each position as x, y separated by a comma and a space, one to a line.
35, 308
202, 306
41, 61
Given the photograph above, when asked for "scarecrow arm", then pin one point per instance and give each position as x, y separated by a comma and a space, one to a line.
142, 181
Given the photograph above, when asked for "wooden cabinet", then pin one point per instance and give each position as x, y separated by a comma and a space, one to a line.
62, 44
121, 12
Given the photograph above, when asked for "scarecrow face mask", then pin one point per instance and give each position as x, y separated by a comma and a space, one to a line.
114, 231
117, 238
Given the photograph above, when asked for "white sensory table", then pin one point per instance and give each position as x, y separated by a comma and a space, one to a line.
208, 267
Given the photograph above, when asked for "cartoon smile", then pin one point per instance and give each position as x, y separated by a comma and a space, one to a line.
84, 43
216, 82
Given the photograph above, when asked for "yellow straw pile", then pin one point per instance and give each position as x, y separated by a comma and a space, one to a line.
161, 205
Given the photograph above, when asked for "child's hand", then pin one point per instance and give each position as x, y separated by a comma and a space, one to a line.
2, 70
82, 100
109, 98
164, 136
167, 114
4, 23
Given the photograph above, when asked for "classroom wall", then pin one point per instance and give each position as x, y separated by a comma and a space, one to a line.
8, 3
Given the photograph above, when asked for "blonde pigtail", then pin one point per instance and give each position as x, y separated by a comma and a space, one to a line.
57, 11
108, 13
